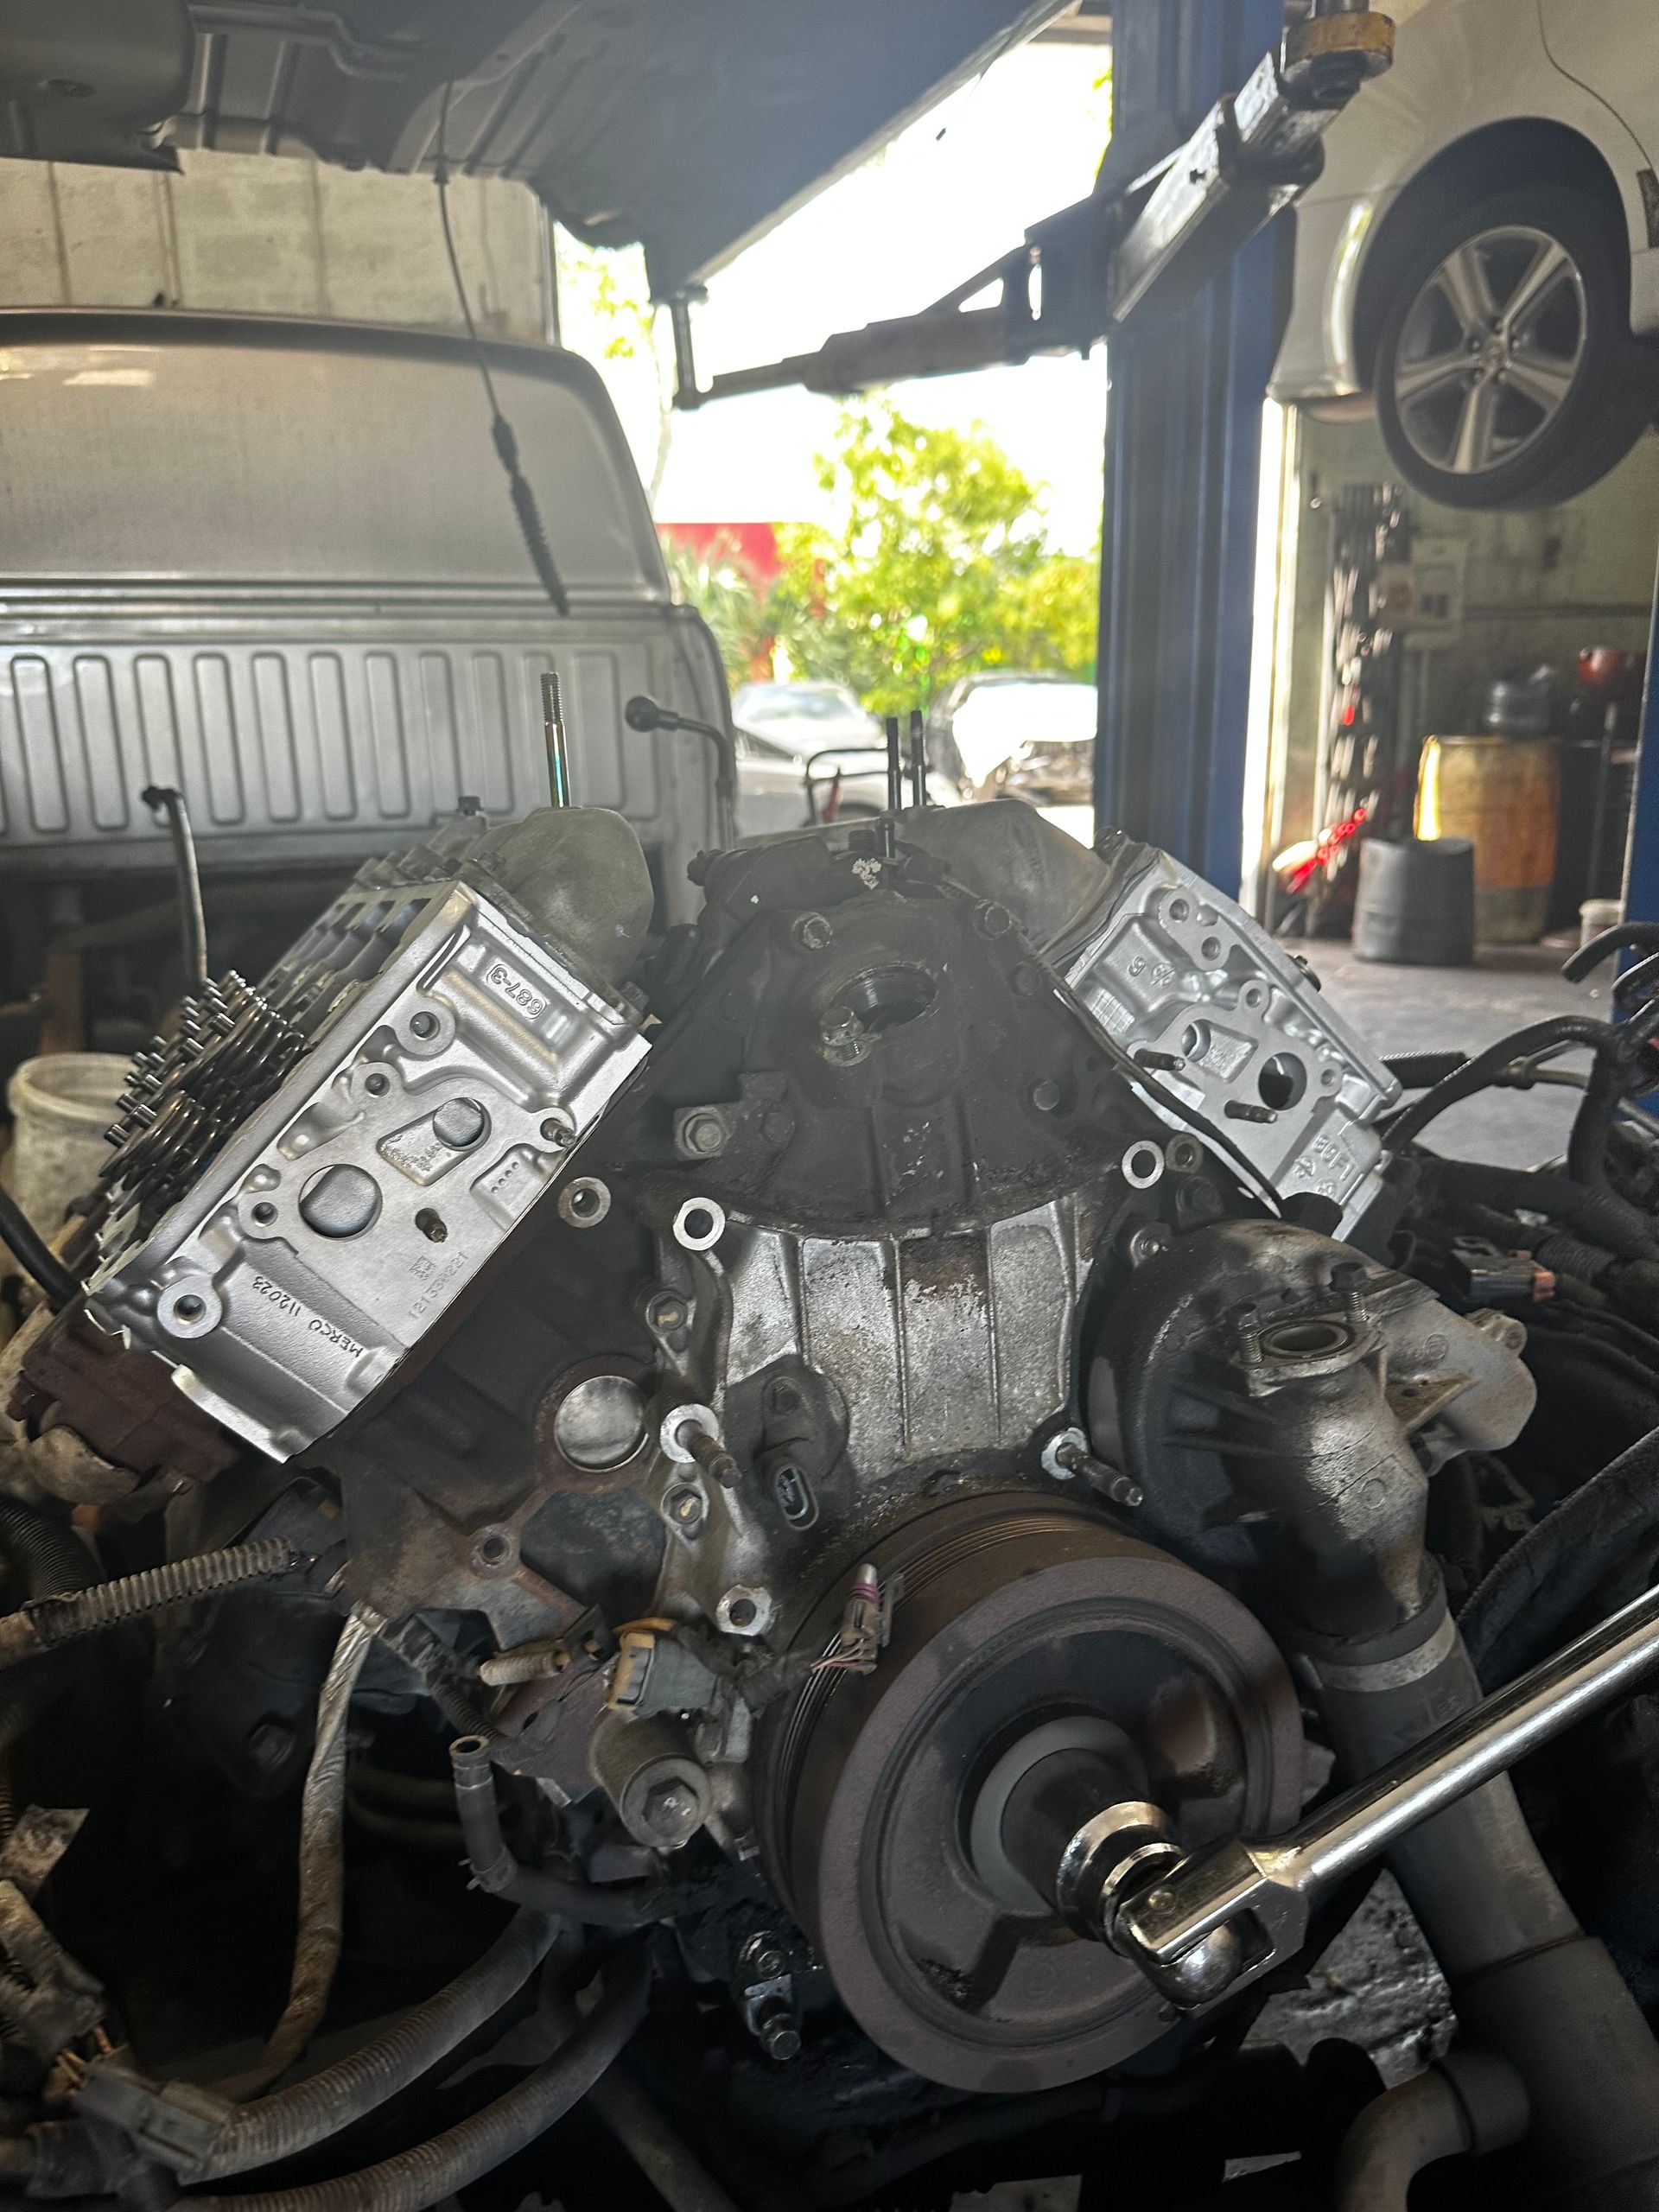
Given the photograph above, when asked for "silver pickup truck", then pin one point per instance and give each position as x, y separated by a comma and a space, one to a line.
275, 563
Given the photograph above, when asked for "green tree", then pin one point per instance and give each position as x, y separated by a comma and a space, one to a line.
942, 566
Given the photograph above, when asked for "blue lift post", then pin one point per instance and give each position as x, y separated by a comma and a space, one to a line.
1183, 455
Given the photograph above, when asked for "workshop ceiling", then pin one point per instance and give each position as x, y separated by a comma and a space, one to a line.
691, 125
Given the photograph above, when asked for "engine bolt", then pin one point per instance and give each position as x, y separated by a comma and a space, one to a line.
776, 2031
670, 1813
683, 1507
710, 1453
666, 1311
1148, 1242
1245, 1109
1111, 1482
993, 920
763, 1956
703, 1134
813, 932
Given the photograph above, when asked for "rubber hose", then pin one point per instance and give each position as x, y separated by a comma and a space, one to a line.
620, 1905
1519, 1613
45, 1623
1422, 1070
290, 2120
1526, 1981
58, 1286
1624, 937
461, 2155
1476, 1074
45, 1549
1466, 2102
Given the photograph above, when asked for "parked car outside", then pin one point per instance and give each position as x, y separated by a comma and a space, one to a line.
1481, 250
804, 746
1030, 739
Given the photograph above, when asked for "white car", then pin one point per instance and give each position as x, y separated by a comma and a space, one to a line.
1481, 250
792, 738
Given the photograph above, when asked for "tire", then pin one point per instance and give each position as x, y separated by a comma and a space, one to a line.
1477, 413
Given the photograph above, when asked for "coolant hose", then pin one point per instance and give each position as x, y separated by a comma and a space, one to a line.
463, 2154
44, 1623
292, 2120
1523, 1609
1527, 1982
1466, 2102
619, 1905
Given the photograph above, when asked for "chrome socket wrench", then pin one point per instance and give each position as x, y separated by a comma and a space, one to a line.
1263, 1893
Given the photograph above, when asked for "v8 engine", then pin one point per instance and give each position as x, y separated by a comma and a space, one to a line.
884, 1439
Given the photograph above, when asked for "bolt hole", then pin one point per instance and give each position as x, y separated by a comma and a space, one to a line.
1179, 910
264, 1211
890, 997
432, 1225
1282, 1081
189, 1307
424, 1025
377, 1084
742, 1613
1307, 1339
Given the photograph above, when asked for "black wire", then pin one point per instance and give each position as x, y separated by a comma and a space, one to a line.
163, 798
34, 1254
1483, 1071
527, 513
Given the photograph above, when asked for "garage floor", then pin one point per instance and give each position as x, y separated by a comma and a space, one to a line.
1432, 1009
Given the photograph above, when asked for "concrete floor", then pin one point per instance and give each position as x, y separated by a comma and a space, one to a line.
1431, 1009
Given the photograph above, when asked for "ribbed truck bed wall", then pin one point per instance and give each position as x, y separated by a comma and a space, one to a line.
275, 564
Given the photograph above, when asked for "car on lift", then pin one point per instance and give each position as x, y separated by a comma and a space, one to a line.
1481, 252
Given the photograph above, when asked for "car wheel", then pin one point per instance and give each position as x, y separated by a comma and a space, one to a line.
1506, 373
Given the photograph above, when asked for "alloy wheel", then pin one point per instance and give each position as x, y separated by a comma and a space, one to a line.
1491, 349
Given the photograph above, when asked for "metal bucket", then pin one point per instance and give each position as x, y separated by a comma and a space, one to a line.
1505, 795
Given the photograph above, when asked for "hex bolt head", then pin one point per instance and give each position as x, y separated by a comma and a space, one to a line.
1148, 1242
703, 1134
666, 1312
993, 920
670, 1813
764, 1957
813, 932
682, 1507
776, 2031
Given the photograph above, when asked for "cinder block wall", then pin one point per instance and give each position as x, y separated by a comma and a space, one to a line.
244, 233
